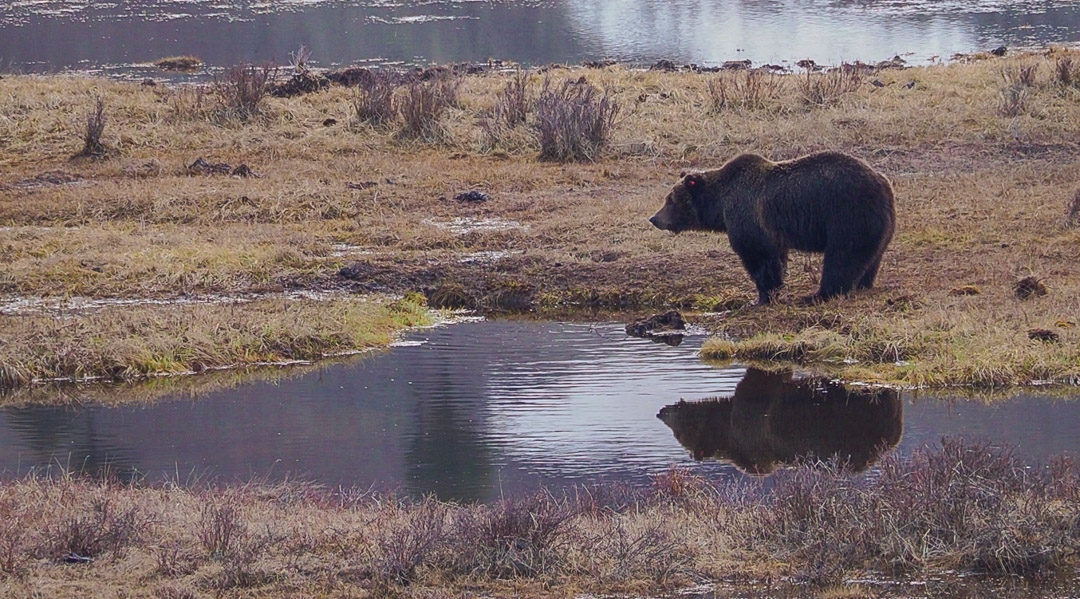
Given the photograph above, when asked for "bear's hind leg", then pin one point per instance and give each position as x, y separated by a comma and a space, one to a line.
867, 280
843, 270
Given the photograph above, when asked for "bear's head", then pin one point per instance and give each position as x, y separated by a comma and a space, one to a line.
684, 206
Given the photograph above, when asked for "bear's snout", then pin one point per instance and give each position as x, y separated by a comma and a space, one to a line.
652, 219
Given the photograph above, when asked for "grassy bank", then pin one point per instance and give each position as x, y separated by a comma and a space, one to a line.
983, 157
950, 520
125, 342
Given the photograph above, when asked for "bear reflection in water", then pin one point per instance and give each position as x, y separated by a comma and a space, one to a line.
773, 420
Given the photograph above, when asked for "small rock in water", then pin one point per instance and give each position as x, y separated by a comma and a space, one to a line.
657, 323
472, 196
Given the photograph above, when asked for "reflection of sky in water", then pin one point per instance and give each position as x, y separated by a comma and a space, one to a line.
86, 34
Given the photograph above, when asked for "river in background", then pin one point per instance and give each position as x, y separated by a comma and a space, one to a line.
49, 35
477, 410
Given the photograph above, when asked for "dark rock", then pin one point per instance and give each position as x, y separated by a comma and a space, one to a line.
1029, 286
999, 51
736, 65
808, 64
664, 65
657, 323
148, 82
351, 77
75, 558
877, 83
597, 64
304, 82
202, 167
244, 171
362, 185
329, 122
909, 84
472, 196
1044, 335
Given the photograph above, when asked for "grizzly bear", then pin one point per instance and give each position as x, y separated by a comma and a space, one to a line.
827, 203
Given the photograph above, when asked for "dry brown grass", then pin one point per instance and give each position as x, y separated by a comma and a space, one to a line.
126, 342
941, 514
981, 200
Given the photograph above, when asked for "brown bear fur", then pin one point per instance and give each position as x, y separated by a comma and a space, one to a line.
773, 419
827, 203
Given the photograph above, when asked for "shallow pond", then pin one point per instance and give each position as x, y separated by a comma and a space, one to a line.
42, 35
474, 410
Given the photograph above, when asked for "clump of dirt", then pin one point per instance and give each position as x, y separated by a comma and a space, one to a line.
1028, 287
202, 167
657, 325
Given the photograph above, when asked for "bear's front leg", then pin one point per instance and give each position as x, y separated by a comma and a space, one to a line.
768, 275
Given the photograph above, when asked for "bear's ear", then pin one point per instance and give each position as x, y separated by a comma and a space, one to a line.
682, 174
694, 182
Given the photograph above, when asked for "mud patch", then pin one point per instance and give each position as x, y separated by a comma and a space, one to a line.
463, 225
47, 179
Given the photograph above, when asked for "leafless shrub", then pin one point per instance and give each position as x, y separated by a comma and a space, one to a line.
409, 542
93, 129
299, 60
102, 528
227, 538
14, 533
1067, 71
512, 107
189, 103
616, 551
242, 89
749, 89
828, 88
1072, 214
173, 558
1013, 100
220, 528
423, 104
374, 100
515, 537
574, 121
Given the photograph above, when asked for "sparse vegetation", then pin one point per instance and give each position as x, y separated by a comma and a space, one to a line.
745, 89
374, 101
423, 105
93, 129
242, 89
574, 120
943, 514
827, 88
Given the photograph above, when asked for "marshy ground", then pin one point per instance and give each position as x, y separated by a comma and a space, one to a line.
983, 158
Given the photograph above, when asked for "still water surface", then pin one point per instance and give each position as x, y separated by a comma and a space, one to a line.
42, 35
474, 410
